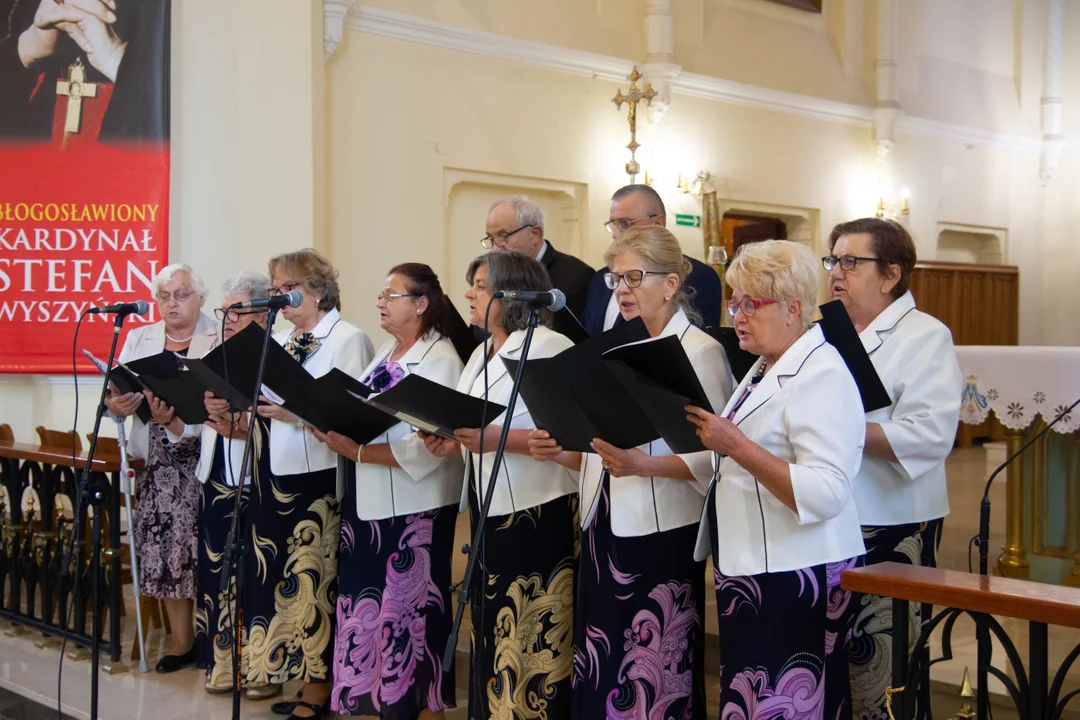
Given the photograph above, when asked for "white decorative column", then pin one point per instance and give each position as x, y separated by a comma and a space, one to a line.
886, 75
660, 68
1053, 105
334, 12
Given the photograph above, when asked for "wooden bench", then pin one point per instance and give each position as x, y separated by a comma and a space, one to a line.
981, 597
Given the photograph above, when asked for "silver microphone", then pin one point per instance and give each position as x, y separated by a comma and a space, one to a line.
553, 299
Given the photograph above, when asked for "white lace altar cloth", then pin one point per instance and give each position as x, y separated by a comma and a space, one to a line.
1019, 383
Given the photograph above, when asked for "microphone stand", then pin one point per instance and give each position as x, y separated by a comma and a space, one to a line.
232, 567
93, 496
472, 550
983, 541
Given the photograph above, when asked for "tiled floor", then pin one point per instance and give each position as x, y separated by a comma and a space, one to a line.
31, 672
17, 707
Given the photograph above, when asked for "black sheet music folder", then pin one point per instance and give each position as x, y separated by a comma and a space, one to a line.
741, 361
575, 396
840, 332
659, 376
434, 408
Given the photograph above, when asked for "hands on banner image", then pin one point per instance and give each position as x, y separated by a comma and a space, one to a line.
84, 172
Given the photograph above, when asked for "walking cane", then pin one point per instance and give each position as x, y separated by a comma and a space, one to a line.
127, 483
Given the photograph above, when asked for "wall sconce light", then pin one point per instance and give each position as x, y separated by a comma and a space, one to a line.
894, 211
696, 186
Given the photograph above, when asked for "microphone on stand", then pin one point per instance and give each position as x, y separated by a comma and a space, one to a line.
984, 507
139, 307
293, 298
553, 300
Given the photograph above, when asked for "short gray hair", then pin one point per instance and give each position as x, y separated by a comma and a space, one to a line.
167, 273
526, 211
252, 285
513, 271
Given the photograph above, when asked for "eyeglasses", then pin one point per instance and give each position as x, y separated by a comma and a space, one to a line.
234, 315
388, 295
632, 278
846, 262
499, 239
748, 306
283, 288
179, 296
625, 223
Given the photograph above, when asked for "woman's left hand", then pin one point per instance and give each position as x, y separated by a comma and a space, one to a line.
470, 438
621, 463
717, 434
268, 409
343, 446
163, 414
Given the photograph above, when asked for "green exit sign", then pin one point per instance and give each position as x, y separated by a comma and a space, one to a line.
688, 220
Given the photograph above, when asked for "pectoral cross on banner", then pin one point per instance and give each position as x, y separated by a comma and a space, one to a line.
75, 88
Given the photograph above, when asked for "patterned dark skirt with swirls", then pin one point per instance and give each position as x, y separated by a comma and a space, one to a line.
639, 634
523, 628
394, 612
871, 641
783, 640
292, 548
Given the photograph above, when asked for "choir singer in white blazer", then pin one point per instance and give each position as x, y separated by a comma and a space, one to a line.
299, 643
638, 578
781, 520
900, 490
220, 460
398, 515
526, 575
166, 515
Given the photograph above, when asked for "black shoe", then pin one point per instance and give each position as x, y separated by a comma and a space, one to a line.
172, 663
285, 707
318, 710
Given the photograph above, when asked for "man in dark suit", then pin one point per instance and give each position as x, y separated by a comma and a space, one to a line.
516, 223
640, 206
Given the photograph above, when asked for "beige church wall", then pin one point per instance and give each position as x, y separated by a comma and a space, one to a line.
1062, 260
246, 173
439, 111
971, 62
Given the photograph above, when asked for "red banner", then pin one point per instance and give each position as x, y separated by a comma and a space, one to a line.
84, 173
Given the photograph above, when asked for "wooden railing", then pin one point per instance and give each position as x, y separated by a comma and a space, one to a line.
981, 597
33, 544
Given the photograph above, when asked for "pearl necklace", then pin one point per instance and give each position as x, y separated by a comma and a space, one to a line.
170, 338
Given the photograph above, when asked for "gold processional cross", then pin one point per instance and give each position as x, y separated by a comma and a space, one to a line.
632, 97
75, 88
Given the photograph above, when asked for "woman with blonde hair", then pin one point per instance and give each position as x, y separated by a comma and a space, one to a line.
780, 518
294, 637
639, 635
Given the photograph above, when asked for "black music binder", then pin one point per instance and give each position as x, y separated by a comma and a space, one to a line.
659, 376
741, 361
840, 332
575, 397
125, 382
434, 408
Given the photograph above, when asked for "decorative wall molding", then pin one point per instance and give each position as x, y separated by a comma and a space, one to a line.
399, 26
334, 13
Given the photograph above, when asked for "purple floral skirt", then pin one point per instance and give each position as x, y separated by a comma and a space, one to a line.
639, 637
394, 613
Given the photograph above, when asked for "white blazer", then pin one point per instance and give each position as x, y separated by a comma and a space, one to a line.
423, 482
523, 482
150, 340
806, 411
646, 505
293, 449
234, 460
913, 354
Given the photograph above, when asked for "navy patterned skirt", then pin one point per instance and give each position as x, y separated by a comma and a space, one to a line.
783, 642
639, 635
523, 627
871, 641
394, 612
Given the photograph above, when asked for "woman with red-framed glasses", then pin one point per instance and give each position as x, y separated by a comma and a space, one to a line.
780, 517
